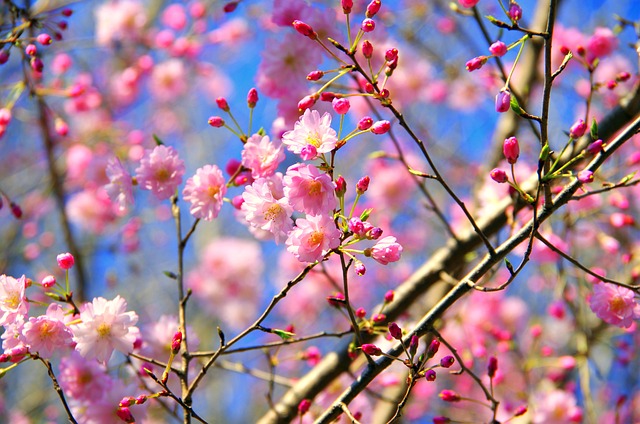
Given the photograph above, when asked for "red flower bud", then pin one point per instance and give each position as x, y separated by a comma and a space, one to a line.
511, 149
252, 98
373, 8
305, 29
371, 349
222, 104
367, 49
216, 121
381, 127
65, 260
395, 331
449, 396
492, 367
365, 123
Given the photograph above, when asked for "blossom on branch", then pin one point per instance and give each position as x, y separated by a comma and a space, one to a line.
205, 191
313, 237
311, 130
160, 171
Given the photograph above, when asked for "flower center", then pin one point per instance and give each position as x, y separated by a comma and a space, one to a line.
104, 330
316, 238
617, 305
314, 139
272, 212
162, 174
213, 191
315, 188
12, 301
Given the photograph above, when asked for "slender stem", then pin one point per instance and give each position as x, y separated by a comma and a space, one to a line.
58, 389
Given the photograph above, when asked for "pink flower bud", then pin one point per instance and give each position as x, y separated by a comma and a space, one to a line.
309, 152
388, 296
65, 260
347, 5
315, 75
252, 98
468, 3
515, 12
230, 7
125, 415
578, 129
367, 49
216, 121
440, 419
585, 176
374, 233
623, 76
379, 318
44, 39
31, 50
476, 63
176, 341
307, 102
447, 361
48, 281
511, 149
595, 147
361, 313
381, 127
373, 8
127, 401
341, 106
360, 269
449, 396
520, 411
341, 186
503, 101
36, 64
368, 87
222, 104
433, 348
371, 349
5, 116
303, 406
141, 399
499, 176
61, 127
365, 123
368, 25
237, 201
430, 375
492, 367
395, 331
16, 210
498, 49
4, 56
391, 55
386, 250
305, 29
328, 96
362, 185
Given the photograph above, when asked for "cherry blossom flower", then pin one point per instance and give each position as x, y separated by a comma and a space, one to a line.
160, 171
159, 334
557, 407
614, 304
266, 211
386, 250
119, 21
205, 190
313, 237
311, 130
82, 378
168, 80
309, 190
91, 209
13, 300
262, 156
47, 333
105, 326
120, 187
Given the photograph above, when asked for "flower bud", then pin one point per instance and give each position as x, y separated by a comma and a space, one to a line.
447, 361
367, 49
48, 281
476, 63
433, 348
362, 185
5, 116
371, 349
222, 104
365, 123
492, 367
499, 176
498, 49
585, 176
511, 149
449, 396
125, 415
381, 127
216, 121
305, 29
379, 318
441, 420
515, 12
315, 75
16, 210
31, 50
4, 56
65, 260
44, 39
578, 129
373, 8
395, 331
595, 147
360, 269
127, 401
430, 375
520, 411
391, 55
341, 106
347, 5
307, 102
36, 64
252, 98
176, 341
341, 186
361, 313
503, 101
303, 406
388, 296
368, 25
230, 7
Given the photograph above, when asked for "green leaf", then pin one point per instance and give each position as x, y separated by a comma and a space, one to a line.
365, 214
627, 178
544, 153
497, 22
170, 274
157, 140
594, 129
515, 106
284, 335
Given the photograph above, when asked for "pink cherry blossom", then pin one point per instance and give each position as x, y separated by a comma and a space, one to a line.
557, 407
205, 190
602, 43
83, 379
614, 304
120, 187
264, 210
313, 237
311, 130
160, 171
47, 333
309, 190
91, 209
386, 250
13, 300
168, 80
119, 21
262, 156
105, 326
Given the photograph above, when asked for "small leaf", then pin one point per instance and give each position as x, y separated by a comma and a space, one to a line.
544, 153
515, 106
497, 22
508, 265
170, 274
594, 129
627, 178
365, 214
221, 336
157, 140
284, 335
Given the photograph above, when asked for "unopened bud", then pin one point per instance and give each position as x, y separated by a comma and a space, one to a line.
499, 176
252, 98
373, 8
368, 25
222, 104
511, 149
303, 406
578, 129
381, 127
347, 5
305, 29
175, 342
371, 349
433, 348
216, 121
315, 75
365, 123
449, 396
503, 101
395, 331
492, 367
362, 185
367, 49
